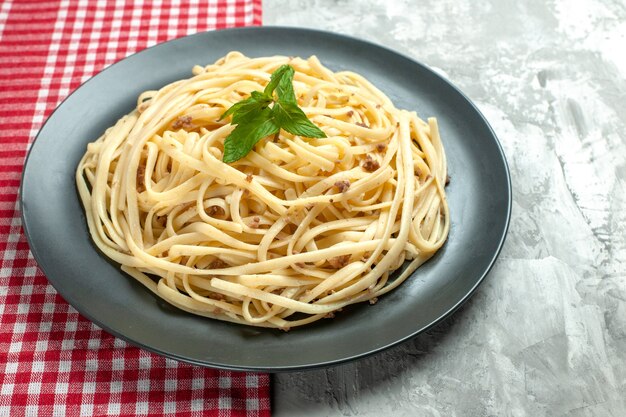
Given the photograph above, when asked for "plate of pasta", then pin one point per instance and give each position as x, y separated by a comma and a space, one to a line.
266, 199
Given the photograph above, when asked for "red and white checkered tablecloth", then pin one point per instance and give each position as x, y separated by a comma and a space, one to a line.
53, 362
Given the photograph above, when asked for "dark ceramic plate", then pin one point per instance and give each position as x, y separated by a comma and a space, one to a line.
479, 198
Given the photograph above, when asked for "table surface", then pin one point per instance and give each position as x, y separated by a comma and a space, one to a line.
546, 332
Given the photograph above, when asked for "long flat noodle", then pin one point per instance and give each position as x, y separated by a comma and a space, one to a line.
289, 234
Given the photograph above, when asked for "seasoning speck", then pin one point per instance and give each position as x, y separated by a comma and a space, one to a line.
342, 186
182, 121
215, 211
370, 164
218, 264
255, 222
339, 261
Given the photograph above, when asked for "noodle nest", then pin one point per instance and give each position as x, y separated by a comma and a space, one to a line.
291, 233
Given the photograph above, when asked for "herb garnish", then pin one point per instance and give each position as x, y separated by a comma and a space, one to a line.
255, 119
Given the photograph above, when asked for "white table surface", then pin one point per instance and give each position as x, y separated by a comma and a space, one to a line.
545, 335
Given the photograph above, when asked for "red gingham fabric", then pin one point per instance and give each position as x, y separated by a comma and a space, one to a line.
53, 362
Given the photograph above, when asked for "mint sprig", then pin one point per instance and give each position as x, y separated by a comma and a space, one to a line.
262, 115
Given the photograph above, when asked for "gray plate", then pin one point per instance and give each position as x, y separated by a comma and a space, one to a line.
479, 197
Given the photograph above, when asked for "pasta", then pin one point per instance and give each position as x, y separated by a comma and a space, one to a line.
290, 234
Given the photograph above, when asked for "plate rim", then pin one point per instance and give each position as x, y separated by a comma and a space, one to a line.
285, 368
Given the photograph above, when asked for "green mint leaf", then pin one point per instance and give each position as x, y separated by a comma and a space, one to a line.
255, 119
250, 110
257, 95
232, 109
246, 135
275, 78
244, 108
292, 119
284, 90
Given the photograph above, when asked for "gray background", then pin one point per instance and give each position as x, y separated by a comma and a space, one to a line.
545, 335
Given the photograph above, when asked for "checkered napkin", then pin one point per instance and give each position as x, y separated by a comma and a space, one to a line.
53, 362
